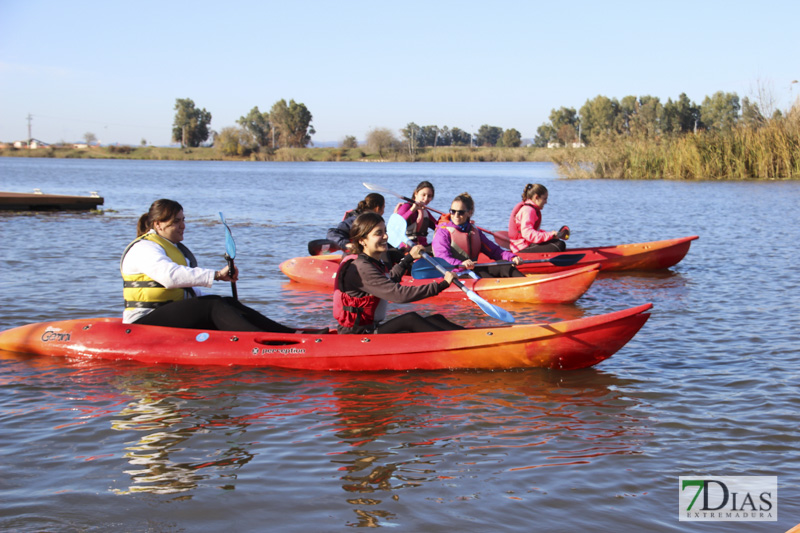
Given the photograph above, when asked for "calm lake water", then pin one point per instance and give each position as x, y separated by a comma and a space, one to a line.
709, 386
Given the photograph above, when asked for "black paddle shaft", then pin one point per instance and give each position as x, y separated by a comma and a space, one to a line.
231, 271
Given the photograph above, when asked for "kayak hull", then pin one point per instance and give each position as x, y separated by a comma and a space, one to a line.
565, 286
565, 345
551, 288
654, 255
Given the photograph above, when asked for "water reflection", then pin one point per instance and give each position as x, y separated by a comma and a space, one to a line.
383, 437
169, 412
403, 432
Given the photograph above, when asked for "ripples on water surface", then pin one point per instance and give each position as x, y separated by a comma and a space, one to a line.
708, 387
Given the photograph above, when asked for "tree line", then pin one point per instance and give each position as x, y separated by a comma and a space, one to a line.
286, 125
647, 117
414, 137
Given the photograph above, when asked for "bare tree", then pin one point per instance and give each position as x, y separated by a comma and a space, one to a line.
764, 95
381, 140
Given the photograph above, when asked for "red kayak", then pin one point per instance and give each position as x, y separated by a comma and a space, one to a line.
566, 345
565, 286
653, 255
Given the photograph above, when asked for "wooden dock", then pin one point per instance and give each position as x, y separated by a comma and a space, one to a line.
37, 201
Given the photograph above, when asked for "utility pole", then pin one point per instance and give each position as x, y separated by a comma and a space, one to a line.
30, 117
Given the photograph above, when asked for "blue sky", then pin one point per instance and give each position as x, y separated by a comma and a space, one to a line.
116, 68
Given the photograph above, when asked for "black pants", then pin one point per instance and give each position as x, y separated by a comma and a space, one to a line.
556, 245
498, 271
211, 312
415, 323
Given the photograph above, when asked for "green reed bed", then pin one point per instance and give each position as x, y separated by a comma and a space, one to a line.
771, 151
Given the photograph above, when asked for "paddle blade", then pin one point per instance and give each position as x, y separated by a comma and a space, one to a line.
567, 259
502, 239
396, 229
492, 310
373, 187
230, 246
423, 269
322, 246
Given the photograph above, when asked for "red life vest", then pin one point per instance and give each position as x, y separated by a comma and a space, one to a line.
464, 245
353, 311
513, 226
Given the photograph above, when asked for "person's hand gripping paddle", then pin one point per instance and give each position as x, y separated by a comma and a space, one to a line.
396, 228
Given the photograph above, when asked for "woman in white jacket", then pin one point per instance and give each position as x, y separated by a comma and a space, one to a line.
162, 282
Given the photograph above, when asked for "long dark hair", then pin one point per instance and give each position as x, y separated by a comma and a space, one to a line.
162, 210
424, 185
363, 226
533, 189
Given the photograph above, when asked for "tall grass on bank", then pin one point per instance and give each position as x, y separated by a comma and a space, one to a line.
769, 152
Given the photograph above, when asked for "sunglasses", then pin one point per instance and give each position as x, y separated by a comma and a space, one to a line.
459, 212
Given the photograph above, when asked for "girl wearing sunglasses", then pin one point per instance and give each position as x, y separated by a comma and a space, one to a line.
459, 242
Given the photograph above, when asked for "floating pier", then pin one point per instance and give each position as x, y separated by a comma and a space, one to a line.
38, 201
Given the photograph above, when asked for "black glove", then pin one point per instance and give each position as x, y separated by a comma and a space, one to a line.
563, 233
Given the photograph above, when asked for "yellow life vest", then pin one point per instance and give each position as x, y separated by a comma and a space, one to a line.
140, 290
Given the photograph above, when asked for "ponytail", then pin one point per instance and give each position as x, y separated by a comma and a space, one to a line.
533, 189
371, 202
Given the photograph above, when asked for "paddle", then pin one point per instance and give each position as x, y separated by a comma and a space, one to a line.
322, 246
378, 188
396, 229
424, 271
230, 254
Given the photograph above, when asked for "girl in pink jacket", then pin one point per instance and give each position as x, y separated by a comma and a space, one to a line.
524, 231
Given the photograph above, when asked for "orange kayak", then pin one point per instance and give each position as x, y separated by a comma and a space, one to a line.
654, 255
565, 345
565, 286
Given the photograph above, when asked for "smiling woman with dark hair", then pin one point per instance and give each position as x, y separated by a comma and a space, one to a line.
365, 285
162, 282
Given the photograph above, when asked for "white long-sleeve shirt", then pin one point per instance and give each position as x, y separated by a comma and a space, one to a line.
148, 257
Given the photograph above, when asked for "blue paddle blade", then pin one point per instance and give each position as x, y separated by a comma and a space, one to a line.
492, 310
230, 246
423, 269
396, 230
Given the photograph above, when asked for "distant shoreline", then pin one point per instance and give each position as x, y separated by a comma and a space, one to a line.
689, 157
444, 154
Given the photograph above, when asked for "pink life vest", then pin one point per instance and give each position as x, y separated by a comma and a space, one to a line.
513, 226
463, 245
419, 226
